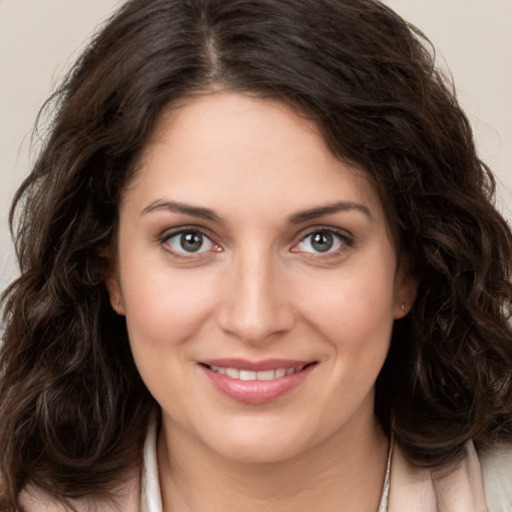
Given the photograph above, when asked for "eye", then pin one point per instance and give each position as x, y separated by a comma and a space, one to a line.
321, 241
190, 242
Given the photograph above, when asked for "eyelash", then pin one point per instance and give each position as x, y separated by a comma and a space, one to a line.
185, 230
345, 241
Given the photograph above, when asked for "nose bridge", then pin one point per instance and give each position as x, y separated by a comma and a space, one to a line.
256, 304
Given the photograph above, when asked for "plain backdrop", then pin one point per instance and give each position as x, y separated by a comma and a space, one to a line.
40, 39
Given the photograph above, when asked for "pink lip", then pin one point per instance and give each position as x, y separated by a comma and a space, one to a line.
256, 391
256, 366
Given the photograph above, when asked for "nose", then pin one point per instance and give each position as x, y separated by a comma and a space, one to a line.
256, 306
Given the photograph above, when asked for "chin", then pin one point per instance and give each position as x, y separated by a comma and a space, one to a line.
261, 453
259, 445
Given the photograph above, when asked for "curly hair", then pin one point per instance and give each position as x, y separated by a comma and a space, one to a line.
73, 407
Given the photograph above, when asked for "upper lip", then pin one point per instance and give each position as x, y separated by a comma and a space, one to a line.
256, 366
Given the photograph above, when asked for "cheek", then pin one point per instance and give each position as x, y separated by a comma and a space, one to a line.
164, 307
164, 311
355, 300
354, 313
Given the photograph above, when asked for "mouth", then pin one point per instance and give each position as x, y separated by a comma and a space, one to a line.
250, 375
256, 383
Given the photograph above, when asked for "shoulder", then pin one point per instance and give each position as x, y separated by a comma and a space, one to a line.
127, 499
496, 463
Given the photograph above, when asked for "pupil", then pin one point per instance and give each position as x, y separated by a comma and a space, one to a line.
322, 242
191, 242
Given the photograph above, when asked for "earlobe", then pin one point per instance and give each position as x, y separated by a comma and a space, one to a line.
406, 287
117, 304
116, 300
401, 310
113, 286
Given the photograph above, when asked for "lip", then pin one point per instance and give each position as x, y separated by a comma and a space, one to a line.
256, 366
256, 391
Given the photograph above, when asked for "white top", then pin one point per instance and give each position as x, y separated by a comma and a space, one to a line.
479, 483
151, 498
467, 489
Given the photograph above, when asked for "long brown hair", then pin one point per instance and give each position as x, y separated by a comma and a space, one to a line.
73, 408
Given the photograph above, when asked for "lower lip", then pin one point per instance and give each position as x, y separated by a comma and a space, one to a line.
256, 391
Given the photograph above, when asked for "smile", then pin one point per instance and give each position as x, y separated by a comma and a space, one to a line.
247, 375
256, 383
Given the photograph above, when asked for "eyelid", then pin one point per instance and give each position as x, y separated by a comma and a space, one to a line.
346, 238
167, 234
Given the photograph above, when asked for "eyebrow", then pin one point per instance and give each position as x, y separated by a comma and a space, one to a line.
341, 206
296, 218
194, 211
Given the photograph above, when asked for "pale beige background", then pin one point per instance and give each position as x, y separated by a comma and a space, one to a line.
39, 39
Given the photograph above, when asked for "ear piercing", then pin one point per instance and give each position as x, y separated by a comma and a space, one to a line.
402, 307
118, 302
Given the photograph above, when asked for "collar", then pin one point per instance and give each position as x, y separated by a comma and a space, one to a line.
406, 488
151, 497
458, 489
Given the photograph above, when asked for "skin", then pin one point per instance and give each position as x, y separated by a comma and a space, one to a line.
258, 288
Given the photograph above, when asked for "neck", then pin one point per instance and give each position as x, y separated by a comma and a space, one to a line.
343, 473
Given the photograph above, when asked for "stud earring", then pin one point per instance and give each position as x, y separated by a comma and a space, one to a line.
118, 302
402, 307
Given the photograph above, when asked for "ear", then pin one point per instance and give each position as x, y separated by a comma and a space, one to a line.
406, 287
113, 285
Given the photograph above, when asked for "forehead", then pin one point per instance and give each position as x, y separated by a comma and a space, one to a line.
224, 147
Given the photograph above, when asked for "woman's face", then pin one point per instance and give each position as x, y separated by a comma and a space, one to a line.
258, 280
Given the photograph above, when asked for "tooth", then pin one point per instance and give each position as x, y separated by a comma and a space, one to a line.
247, 375
218, 369
266, 375
233, 373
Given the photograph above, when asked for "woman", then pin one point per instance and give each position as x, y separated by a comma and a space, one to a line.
261, 268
